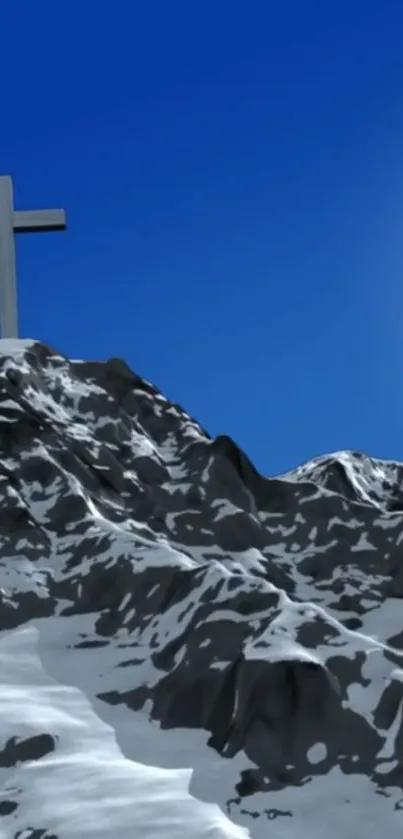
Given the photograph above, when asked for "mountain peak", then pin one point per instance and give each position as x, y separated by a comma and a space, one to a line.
187, 647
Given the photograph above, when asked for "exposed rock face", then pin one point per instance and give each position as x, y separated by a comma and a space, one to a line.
152, 572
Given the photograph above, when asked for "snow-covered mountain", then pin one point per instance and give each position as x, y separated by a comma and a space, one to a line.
187, 648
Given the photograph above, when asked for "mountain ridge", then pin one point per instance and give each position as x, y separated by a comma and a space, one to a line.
152, 571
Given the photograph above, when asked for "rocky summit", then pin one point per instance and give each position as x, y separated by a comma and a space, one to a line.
188, 648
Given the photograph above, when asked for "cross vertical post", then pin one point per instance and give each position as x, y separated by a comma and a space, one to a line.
8, 290
12, 222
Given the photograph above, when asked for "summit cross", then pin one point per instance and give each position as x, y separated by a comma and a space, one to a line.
11, 222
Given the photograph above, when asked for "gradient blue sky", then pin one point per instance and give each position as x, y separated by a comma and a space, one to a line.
233, 177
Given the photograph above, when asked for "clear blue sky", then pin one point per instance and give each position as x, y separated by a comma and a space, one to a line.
233, 176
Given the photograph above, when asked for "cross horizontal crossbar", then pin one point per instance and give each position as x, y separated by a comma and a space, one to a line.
38, 221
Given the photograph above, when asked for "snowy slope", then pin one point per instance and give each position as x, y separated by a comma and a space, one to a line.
186, 647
